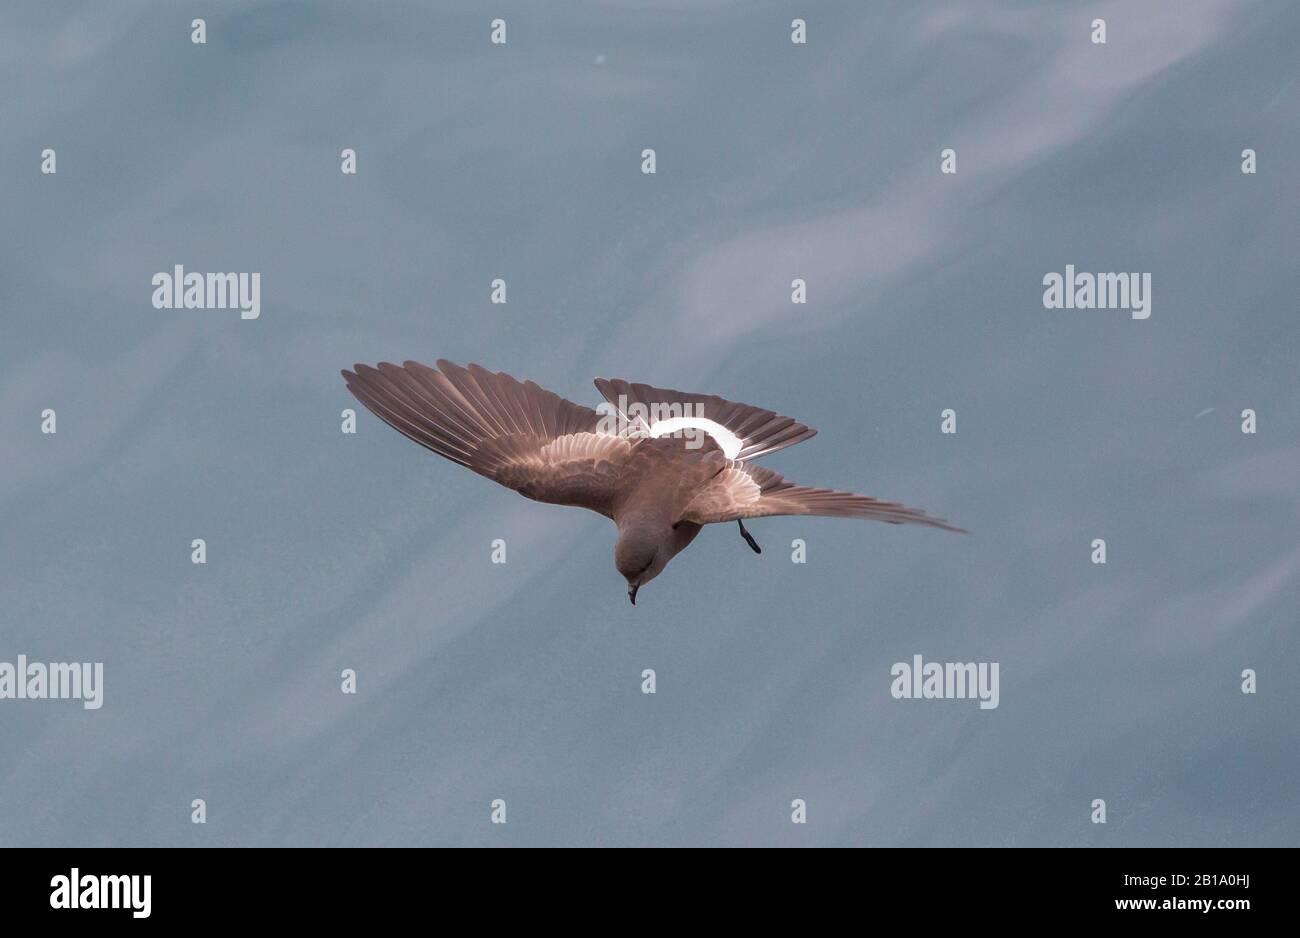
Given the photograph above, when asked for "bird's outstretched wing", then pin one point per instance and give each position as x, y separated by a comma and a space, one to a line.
515, 433
745, 491
743, 432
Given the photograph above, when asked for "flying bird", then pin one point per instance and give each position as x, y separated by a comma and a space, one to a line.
659, 463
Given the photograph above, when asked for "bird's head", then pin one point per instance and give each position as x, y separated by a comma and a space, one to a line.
641, 554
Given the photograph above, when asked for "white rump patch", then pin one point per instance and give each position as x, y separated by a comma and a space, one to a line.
730, 443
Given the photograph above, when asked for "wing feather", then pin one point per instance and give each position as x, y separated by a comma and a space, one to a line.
516, 433
760, 431
746, 491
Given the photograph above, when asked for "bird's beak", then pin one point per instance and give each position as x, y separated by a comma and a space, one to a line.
631, 591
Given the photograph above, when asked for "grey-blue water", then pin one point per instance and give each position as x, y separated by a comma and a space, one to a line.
775, 161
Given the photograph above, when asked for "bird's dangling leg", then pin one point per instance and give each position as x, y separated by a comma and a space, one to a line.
749, 538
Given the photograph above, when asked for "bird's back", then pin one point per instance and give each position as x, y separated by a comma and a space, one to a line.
662, 475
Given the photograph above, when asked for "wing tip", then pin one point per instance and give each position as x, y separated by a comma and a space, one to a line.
930, 521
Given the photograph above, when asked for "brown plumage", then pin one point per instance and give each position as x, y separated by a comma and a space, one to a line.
658, 489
